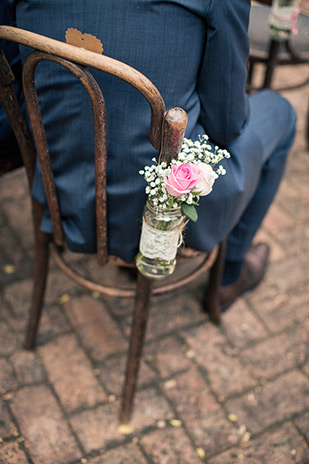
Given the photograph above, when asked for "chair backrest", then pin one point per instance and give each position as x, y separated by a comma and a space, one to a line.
166, 128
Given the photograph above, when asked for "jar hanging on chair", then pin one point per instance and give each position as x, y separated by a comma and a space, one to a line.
283, 18
161, 236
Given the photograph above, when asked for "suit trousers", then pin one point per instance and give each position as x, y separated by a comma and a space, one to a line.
273, 119
240, 200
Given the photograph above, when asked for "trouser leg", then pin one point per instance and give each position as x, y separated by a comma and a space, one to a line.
280, 130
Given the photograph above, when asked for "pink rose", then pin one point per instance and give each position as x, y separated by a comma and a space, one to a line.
182, 179
206, 181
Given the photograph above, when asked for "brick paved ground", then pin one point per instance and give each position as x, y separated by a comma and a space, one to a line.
234, 394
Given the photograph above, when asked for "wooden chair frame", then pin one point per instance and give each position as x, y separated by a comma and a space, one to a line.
167, 129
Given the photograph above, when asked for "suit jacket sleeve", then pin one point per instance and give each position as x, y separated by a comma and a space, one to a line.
223, 72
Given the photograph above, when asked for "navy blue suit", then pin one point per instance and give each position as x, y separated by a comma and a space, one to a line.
195, 52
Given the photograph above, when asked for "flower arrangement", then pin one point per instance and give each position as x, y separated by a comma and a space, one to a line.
173, 193
283, 18
186, 179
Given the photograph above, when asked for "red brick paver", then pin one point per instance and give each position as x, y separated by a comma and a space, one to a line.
42, 424
71, 374
281, 446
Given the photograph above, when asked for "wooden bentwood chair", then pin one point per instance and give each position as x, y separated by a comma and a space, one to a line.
166, 134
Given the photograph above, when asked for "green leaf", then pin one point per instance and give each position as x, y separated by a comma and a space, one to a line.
189, 211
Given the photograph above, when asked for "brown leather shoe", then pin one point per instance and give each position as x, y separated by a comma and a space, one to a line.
252, 273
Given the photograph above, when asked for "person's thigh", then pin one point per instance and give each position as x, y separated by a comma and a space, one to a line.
272, 119
270, 123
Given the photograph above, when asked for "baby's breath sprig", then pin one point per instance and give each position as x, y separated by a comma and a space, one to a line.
193, 153
203, 151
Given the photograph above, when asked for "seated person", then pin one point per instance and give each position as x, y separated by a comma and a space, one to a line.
196, 53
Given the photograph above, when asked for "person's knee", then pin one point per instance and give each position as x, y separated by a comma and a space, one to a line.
284, 120
283, 108
289, 129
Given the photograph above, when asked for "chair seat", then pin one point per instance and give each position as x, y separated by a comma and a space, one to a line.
197, 263
259, 35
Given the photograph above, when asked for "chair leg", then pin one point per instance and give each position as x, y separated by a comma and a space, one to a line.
271, 63
251, 69
211, 300
138, 331
41, 260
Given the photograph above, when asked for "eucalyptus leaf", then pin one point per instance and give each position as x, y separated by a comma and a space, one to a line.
189, 211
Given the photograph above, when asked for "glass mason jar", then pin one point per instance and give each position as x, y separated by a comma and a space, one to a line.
283, 18
160, 238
